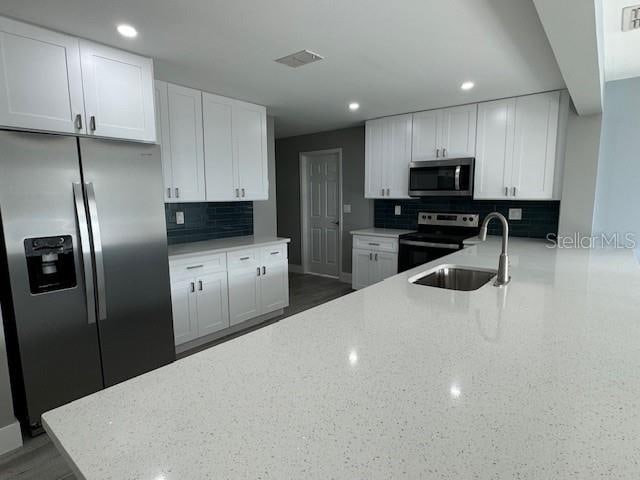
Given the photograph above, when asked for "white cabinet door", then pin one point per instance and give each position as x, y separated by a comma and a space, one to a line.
373, 159
249, 128
494, 150
40, 79
163, 137
218, 148
362, 266
244, 294
385, 265
457, 131
274, 286
185, 134
118, 93
184, 310
534, 155
425, 144
397, 156
213, 303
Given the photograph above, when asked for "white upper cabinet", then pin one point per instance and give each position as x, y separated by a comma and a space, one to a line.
40, 79
218, 147
235, 147
496, 122
387, 157
516, 148
118, 92
445, 133
163, 136
186, 144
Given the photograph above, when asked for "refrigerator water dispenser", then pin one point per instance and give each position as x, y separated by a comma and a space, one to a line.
50, 263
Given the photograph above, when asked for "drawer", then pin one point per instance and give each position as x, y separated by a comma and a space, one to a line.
243, 258
377, 244
274, 253
194, 266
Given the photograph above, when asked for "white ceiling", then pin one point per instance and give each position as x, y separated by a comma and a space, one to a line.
622, 49
390, 56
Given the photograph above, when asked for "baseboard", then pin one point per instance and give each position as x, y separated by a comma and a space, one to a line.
345, 277
10, 437
293, 268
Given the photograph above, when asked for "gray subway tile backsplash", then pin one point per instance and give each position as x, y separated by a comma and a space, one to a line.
208, 220
539, 218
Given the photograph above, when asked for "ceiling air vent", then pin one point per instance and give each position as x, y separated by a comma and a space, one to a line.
298, 59
631, 18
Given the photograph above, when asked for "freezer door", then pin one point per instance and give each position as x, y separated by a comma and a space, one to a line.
51, 338
124, 190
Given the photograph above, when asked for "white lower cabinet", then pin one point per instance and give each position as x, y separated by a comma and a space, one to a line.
212, 292
374, 259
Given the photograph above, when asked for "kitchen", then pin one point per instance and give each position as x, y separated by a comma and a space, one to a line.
267, 247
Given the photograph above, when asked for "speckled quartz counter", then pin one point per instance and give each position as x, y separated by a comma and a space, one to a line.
381, 232
538, 380
183, 250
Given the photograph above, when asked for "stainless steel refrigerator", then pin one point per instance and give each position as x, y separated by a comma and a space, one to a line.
85, 275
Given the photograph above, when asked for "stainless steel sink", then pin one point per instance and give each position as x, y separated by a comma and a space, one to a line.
454, 277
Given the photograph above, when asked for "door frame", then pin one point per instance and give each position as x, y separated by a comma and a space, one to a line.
304, 220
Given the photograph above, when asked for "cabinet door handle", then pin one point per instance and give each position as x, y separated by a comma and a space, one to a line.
264, 270
376, 256
92, 123
444, 152
243, 193
78, 122
168, 192
387, 192
193, 287
177, 192
514, 191
200, 285
382, 191
506, 191
237, 193
258, 271
370, 256
437, 153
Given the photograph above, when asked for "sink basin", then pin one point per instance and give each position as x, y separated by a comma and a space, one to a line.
454, 277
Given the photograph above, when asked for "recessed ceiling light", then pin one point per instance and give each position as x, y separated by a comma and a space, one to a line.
353, 106
467, 85
127, 31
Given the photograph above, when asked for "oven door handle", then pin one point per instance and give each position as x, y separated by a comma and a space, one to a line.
457, 178
448, 246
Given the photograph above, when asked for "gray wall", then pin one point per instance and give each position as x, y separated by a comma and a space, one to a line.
351, 140
618, 186
10, 437
264, 213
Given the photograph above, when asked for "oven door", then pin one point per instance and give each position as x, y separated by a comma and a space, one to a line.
413, 254
441, 178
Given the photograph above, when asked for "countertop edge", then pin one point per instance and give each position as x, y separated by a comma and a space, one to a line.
208, 250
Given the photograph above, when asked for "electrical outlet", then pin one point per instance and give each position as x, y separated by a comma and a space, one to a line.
397, 210
346, 208
179, 218
515, 214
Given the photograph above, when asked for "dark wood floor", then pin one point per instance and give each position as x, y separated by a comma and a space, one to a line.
39, 460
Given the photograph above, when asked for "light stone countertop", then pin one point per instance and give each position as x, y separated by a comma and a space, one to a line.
536, 380
228, 244
381, 232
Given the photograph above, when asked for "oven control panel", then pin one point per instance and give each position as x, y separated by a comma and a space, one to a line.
449, 219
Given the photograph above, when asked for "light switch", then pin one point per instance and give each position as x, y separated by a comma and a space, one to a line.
515, 214
346, 208
397, 210
180, 218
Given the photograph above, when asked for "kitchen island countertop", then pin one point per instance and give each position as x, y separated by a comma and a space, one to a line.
538, 379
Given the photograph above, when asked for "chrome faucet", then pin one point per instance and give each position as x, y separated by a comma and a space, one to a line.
503, 264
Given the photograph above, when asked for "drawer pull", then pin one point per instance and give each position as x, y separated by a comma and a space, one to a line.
374, 244
191, 267
275, 253
244, 258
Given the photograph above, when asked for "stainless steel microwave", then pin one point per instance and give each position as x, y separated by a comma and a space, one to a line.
452, 177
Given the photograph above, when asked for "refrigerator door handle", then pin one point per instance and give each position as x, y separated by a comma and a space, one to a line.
97, 250
85, 247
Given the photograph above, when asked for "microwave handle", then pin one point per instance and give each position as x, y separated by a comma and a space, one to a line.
457, 178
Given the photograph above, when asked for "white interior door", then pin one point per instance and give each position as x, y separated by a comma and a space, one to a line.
218, 148
244, 294
40, 79
213, 303
274, 287
323, 213
184, 310
250, 143
118, 93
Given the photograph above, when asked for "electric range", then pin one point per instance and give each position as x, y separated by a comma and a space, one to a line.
438, 234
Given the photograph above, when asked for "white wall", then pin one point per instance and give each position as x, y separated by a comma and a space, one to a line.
580, 171
618, 187
264, 213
